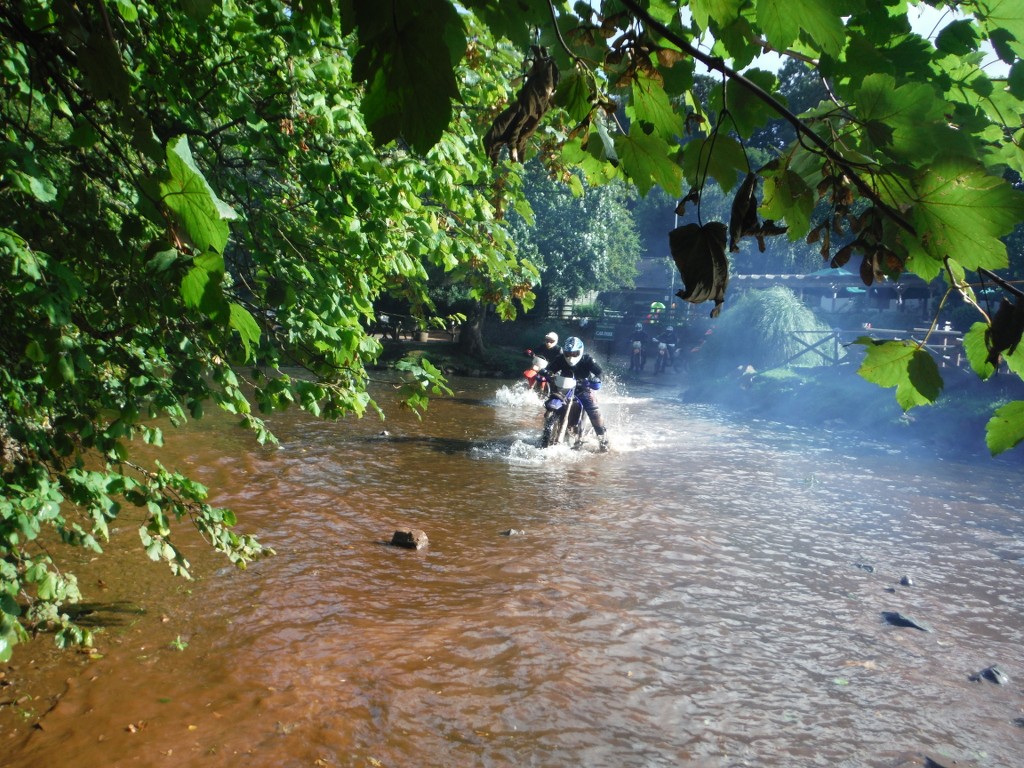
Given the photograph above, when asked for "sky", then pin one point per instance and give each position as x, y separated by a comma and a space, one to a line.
925, 21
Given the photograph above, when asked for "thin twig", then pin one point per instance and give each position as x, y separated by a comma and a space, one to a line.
1004, 284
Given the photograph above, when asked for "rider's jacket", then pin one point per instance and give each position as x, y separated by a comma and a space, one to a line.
586, 368
548, 353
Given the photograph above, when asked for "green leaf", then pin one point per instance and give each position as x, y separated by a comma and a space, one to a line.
1005, 14
1015, 81
722, 12
243, 322
907, 122
721, 158
194, 285
34, 352
1006, 427
47, 587
211, 261
977, 350
748, 112
958, 38
787, 197
962, 212
163, 260
650, 107
901, 364
103, 71
197, 9
782, 21
127, 10
203, 215
405, 59
596, 170
646, 161
42, 189
573, 94
1015, 360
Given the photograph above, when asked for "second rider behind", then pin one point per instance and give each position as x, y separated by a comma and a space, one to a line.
549, 350
582, 367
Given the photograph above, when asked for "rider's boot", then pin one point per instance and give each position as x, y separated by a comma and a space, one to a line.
602, 443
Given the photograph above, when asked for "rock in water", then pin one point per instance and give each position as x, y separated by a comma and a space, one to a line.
898, 619
993, 674
409, 539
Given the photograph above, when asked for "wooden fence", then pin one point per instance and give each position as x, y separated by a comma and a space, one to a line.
945, 344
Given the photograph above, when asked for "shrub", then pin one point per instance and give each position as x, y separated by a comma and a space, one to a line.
758, 330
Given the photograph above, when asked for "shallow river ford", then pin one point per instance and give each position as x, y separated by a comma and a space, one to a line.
709, 593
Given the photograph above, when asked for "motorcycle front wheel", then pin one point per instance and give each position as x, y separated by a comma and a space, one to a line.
552, 427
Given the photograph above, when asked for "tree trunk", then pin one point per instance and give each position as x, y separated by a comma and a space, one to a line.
471, 338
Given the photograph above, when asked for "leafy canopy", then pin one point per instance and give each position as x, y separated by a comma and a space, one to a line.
198, 214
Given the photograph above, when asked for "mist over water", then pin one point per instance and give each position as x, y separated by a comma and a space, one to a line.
709, 593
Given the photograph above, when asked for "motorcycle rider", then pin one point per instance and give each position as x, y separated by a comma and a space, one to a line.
638, 335
584, 368
670, 338
549, 350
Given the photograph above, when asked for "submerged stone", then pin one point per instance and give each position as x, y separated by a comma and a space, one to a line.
993, 674
409, 539
899, 620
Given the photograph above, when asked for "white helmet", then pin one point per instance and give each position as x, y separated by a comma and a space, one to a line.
552, 337
638, 327
573, 350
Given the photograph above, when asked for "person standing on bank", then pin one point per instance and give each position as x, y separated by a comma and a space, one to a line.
585, 369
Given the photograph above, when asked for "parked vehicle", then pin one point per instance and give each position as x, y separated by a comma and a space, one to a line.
563, 416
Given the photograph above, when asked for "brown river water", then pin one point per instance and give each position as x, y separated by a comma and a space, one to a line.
709, 593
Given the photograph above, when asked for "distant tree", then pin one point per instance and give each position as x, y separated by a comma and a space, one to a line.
800, 89
581, 238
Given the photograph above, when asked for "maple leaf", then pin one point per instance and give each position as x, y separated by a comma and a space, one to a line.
904, 365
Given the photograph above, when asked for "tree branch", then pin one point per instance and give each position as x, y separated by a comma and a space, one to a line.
719, 65
1006, 286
